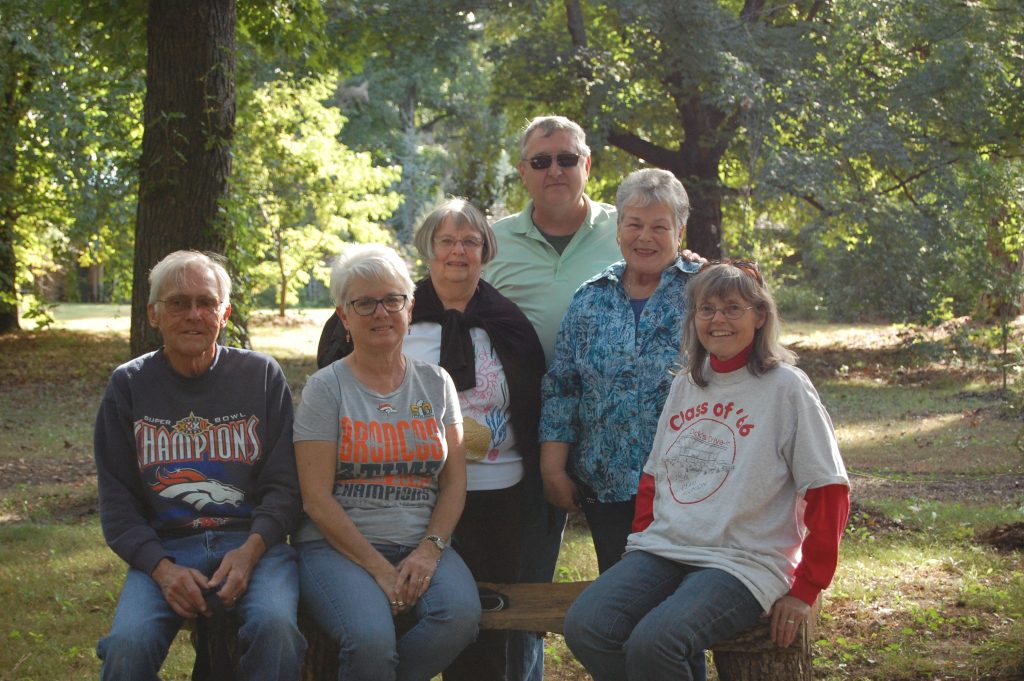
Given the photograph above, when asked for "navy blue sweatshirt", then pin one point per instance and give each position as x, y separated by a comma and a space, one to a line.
178, 455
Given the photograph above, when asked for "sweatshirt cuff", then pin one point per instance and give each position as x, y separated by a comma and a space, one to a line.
149, 555
804, 590
269, 529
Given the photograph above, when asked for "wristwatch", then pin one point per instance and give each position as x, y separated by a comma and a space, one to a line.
437, 541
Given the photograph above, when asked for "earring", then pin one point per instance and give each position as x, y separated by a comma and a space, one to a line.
348, 336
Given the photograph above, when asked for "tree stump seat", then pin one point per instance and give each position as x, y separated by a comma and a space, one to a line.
751, 656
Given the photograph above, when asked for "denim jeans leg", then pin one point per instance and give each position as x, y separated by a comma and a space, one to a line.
650, 607
710, 605
448, 617
144, 624
543, 525
347, 604
141, 634
274, 647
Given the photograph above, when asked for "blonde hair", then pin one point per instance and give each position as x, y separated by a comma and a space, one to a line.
719, 280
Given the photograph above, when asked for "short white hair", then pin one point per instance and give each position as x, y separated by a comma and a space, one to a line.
175, 266
369, 262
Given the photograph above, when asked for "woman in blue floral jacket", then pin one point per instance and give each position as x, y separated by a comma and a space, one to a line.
610, 374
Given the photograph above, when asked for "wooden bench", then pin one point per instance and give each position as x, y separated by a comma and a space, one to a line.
751, 656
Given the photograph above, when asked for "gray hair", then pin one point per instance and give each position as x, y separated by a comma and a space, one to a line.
369, 262
462, 212
719, 279
174, 267
653, 186
546, 126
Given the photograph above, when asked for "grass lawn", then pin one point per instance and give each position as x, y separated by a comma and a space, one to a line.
935, 459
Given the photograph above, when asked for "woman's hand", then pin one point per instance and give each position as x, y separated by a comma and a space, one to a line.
386, 576
416, 570
787, 614
561, 491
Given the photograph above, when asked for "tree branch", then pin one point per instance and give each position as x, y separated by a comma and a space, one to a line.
635, 145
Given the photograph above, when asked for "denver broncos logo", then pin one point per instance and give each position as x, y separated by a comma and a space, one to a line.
191, 487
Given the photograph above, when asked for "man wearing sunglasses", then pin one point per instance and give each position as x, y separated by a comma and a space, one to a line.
558, 241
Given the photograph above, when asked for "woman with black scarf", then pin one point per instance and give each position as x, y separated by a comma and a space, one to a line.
496, 361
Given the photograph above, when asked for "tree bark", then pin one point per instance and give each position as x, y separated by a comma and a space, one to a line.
189, 117
15, 88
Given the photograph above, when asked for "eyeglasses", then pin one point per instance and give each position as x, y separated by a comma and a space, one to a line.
748, 266
543, 161
365, 307
446, 243
733, 311
179, 305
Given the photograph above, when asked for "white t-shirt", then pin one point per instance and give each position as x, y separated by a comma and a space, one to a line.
492, 460
731, 463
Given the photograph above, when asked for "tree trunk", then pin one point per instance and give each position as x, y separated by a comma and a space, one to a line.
189, 120
12, 96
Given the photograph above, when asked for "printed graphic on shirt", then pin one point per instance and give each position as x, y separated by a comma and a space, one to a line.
485, 409
703, 454
699, 460
390, 461
191, 487
386, 408
476, 438
421, 408
223, 439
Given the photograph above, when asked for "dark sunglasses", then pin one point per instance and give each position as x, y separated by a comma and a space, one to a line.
748, 266
543, 161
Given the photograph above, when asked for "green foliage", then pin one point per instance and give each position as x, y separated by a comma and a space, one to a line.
904, 150
418, 100
298, 193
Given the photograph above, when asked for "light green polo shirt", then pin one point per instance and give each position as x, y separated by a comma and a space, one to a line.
528, 270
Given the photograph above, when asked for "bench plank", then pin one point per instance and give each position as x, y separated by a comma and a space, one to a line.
533, 607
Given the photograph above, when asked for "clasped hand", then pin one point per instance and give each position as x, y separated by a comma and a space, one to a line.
183, 587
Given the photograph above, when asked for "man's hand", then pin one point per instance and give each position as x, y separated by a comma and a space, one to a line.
182, 588
235, 571
690, 256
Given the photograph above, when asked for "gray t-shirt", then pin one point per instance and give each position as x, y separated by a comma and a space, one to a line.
391, 448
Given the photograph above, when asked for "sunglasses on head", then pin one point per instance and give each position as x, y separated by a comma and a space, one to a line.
543, 161
748, 266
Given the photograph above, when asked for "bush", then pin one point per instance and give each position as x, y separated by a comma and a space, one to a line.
798, 301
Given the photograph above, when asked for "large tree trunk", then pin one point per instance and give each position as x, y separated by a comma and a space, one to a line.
189, 124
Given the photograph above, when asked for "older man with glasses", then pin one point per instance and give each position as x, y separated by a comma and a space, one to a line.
197, 484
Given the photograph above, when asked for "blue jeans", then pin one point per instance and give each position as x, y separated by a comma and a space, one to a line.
543, 525
145, 625
610, 525
644, 618
347, 603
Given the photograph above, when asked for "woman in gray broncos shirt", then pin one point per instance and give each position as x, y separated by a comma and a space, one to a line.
378, 444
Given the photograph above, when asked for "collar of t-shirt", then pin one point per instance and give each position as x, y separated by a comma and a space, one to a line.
733, 363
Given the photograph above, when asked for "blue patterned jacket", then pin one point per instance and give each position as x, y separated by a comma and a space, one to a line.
609, 378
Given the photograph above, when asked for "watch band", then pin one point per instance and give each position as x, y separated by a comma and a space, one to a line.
437, 541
